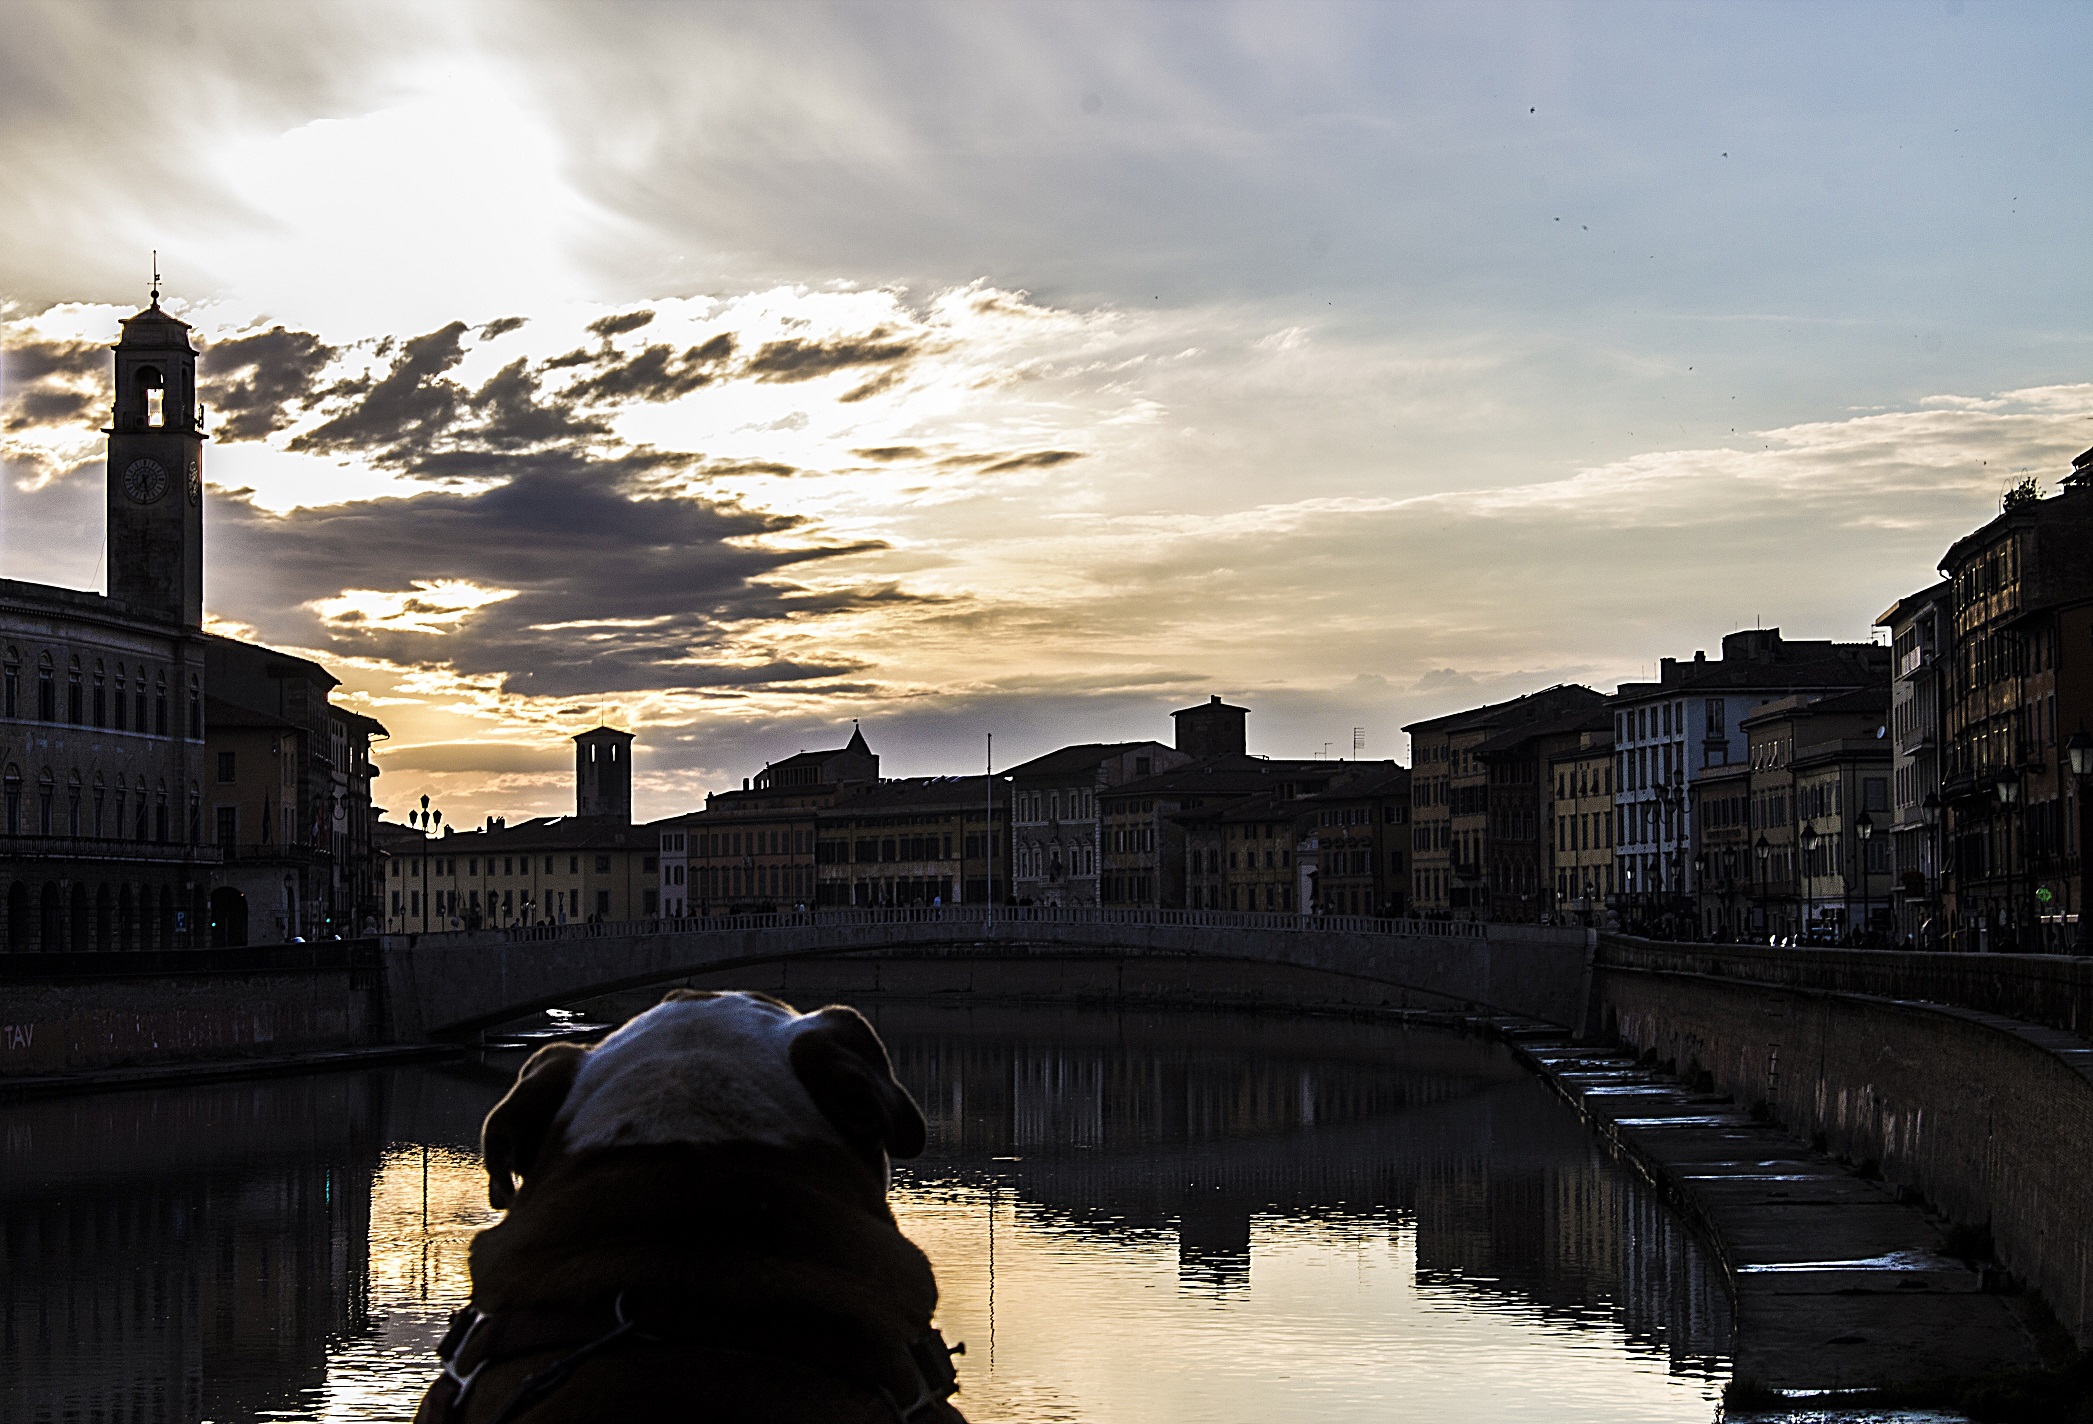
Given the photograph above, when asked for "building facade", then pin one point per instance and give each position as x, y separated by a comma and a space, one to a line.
2014, 690
125, 821
1688, 722
1478, 853
1919, 630
915, 841
1057, 834
1354, 849
1581, 828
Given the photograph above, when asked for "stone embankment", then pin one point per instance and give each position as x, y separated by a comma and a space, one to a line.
1840, 1282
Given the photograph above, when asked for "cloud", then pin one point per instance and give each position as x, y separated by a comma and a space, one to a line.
259, 383
1037, 460
569, 576
800, 359
53, 384
888, 453
654, 373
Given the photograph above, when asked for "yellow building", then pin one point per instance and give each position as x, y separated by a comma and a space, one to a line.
1581, 829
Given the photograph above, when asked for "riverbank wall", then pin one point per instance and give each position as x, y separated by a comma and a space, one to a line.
80, 1014
1988, 1119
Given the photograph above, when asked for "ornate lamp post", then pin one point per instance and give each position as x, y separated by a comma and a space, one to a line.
2079, 752
1929, 811
428, 820
2008, 787
1762, 848
1810, 841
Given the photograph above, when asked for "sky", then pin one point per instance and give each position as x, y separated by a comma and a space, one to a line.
731, 372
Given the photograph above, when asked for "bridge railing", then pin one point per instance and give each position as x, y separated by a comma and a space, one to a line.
986, 919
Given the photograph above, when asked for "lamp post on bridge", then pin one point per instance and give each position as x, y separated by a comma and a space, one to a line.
1809, 840
427, 820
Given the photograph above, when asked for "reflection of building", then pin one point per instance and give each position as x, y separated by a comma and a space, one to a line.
190, 1258
1116, 1128
113, 817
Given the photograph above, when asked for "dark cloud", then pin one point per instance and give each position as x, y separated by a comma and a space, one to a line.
883, 382
502, 326
53, 383
414, 401
888, 453
795, 359
491, 758
1036, 460
609, 326
260, 382
512, 416
665, 587
655, 373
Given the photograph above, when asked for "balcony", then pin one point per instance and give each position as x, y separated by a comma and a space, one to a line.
23, 848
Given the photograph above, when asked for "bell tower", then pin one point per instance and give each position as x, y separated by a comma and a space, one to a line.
155, 497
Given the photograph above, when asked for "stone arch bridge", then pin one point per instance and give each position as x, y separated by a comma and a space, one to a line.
454, 985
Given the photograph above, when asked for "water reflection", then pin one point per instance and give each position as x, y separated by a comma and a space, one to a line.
1133, 1217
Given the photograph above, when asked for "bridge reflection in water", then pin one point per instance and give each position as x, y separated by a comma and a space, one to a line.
1196, 1203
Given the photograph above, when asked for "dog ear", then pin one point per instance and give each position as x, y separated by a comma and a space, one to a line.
515, 1131
844, 1068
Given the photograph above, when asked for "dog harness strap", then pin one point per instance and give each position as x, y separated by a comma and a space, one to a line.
476, 1339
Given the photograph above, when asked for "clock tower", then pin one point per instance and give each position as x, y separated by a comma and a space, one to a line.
155, 527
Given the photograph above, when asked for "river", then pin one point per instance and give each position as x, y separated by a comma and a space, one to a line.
1136, 1218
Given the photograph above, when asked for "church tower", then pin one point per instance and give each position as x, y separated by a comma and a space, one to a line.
155, 525
603, 774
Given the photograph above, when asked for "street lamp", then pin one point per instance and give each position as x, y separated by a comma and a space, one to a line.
427, 820
1810, 841
1929, 812
1762, 848
2079, 751
2008, 788
1864, 827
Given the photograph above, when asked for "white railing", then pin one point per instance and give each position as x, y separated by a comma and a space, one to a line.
986, 920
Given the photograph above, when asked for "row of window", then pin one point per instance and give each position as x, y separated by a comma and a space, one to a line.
98, 812
82, 696
1049, 805
448, 865
1035, 861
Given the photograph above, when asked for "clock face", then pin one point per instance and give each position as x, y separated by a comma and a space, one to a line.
195, 480
144, 481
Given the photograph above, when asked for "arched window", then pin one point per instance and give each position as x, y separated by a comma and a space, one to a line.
11, 683
100, 794
75, 693
46, 689
139, 825
160, 815
118, 703
195, 815
195, 709
46, 802
11, 789
160, 706
101, 696
72, 804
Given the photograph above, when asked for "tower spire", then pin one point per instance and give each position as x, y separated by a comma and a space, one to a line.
156, 279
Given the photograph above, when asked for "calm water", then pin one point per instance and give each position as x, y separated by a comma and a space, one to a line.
1148, 1218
